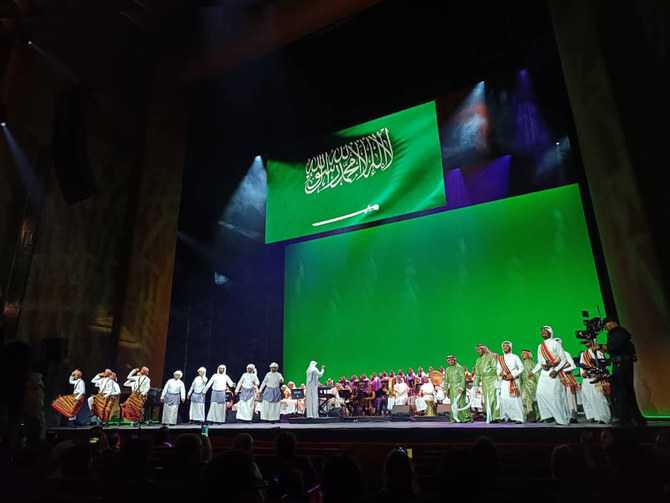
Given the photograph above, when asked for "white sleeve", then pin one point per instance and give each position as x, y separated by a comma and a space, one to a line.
165, 388
132, 373
570, 363
229, 381
182, 390
561, 354
264, 384
518, 367
72, 379
190, 390
209, 385
239, 384
96, 380
540, 360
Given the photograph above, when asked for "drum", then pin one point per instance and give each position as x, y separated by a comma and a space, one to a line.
436, 378
430, 408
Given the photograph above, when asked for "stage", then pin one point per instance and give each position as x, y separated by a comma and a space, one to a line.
436, 430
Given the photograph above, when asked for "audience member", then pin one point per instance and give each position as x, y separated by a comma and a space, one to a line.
398, 478
563, 465
189, 454
341, 480
244, 481
485, 457
243, 442
162, 438
288, 459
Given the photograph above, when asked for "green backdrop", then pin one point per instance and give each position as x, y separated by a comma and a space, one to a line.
410, 293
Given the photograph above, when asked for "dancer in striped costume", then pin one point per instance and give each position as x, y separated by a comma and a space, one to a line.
139, 383
69, 405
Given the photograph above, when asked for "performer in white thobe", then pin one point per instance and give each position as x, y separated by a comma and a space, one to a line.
426, 399
570, 384
271, 394
173, 394
217, 402
594, 396
196, 394
509, 369
550, 393
248, 385
401, 391
312, 389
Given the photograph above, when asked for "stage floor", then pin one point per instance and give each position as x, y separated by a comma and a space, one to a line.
370, 430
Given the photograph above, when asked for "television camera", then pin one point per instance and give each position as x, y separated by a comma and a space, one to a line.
593, 327
598, 372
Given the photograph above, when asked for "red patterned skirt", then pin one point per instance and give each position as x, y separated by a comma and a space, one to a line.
67, 405
133, 408
102, 407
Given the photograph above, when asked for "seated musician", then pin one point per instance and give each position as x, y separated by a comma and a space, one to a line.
401, 392
287, 405
336, 401
368, 395
356, 401
381, 400
425, 393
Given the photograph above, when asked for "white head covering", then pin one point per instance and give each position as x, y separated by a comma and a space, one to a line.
510, 345
274, 364
202, 369
178, 372
222, 366
252, 366
550, 330
311, 364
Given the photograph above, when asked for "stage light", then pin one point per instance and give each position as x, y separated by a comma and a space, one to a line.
3, 124
30, 42
558, 143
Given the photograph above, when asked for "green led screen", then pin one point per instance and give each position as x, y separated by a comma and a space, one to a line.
409, 293
383, 168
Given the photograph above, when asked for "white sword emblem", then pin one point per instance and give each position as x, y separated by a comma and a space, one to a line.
371, 207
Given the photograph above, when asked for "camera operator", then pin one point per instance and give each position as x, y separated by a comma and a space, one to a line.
622, 353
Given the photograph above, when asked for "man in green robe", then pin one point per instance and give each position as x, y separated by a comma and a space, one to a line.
454, 386
529, 387
486, 376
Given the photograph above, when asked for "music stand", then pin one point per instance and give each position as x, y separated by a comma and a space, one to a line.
297, 394
324, 397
